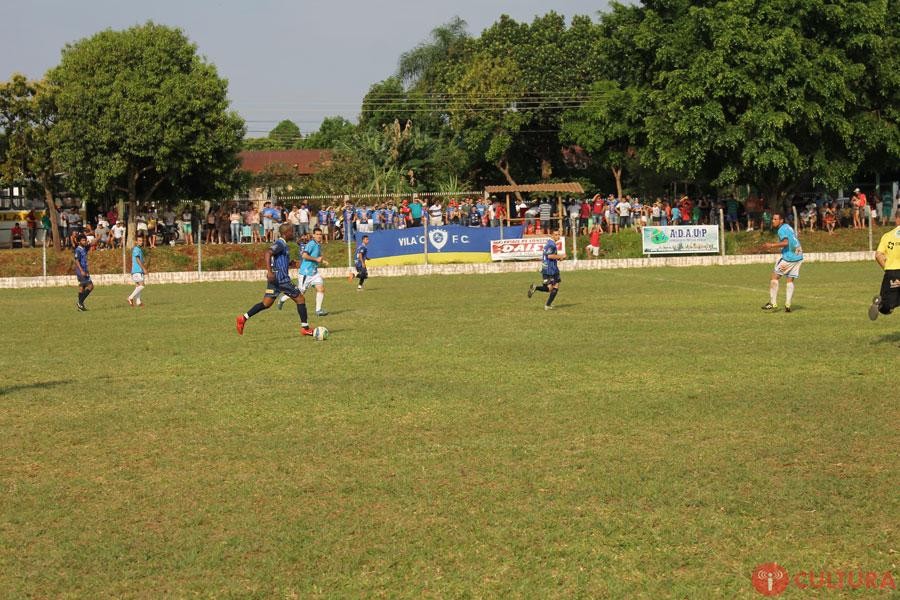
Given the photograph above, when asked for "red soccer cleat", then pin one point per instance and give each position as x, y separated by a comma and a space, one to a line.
306, 331
241, 321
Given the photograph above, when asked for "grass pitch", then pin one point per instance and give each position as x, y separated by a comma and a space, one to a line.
657, 435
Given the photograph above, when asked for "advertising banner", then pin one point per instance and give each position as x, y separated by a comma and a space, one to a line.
681, 239
446, 244
531, 248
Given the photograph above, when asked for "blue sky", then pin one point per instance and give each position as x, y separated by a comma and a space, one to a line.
297, 60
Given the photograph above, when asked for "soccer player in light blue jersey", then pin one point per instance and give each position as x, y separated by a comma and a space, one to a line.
787, 266
138, 271
309, 270
310, 258
549, 269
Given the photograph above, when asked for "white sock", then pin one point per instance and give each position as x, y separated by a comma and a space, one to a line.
320, 296
789, 288
773, 291
134, 293
283, 299
137, 296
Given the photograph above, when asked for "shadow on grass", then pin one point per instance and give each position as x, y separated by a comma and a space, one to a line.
888, 338
30, 386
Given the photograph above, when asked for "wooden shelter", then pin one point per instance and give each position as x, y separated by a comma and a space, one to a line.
552, 188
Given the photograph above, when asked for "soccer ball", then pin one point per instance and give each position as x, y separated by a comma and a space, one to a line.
320, 334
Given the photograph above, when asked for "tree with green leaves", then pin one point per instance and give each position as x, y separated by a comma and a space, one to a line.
331, 133
777, 94
27, 116
140, 113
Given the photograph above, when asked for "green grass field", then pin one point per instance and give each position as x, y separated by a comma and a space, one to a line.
656, 436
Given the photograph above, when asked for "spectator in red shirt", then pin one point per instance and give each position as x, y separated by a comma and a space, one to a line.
597, 210
584, 214
17, 236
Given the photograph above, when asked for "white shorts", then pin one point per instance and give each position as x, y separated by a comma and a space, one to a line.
788, 268
307, 281
138, 278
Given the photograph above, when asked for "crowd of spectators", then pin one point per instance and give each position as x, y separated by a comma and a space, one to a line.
242, 222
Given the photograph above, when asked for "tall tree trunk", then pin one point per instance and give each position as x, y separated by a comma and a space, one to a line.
503, 165
52, 213
617, 175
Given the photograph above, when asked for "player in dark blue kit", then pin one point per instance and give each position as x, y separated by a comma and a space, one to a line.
85, 285
549, 270
278, 280
362, 254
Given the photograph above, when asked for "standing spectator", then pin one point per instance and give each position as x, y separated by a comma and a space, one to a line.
436, 213
31, 221
210, 225
731, 212
676, 215
857, 202
152, 226
584, 214
223, 224
187, 225
63, 225
415, 212
267, 222
112, 216
234, 221
141, 225
406, 213
323, 222
303, 219
251, 218
623, 209
546, 214
598, 209
885, 209
47, 227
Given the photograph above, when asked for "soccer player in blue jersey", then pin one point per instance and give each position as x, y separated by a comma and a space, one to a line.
278, 279
549, 269
362, 254
138, 271
787, 266
85, 285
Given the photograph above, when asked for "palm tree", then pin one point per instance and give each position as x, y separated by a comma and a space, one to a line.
418, 64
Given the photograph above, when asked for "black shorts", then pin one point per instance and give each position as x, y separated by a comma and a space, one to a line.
274, 288
890, 294
84, 281
551, 279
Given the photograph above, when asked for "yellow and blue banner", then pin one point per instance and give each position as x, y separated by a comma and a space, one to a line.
445, 244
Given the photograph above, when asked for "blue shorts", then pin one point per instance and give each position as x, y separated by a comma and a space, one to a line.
274, 288
84, 281
550, 279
